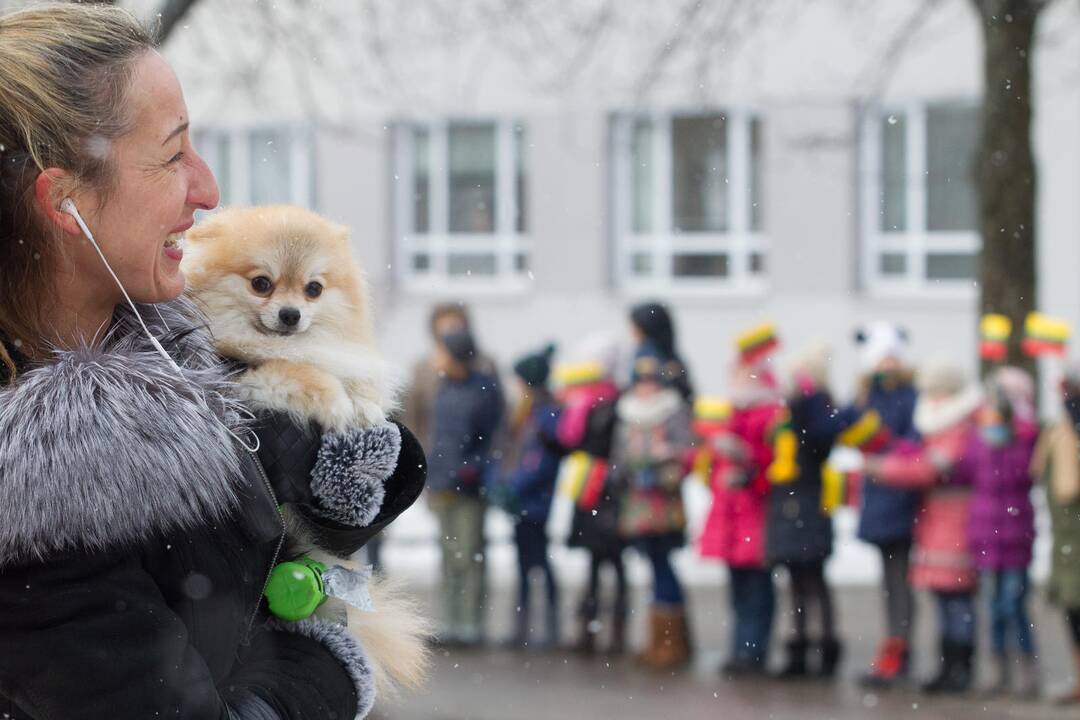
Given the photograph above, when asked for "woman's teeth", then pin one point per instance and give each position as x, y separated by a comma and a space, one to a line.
175, 240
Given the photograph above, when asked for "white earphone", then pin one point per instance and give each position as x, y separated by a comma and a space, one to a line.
67, 205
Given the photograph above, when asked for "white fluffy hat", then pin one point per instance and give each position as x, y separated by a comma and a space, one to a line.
880, 340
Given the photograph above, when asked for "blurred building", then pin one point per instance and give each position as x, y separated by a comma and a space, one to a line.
552, 163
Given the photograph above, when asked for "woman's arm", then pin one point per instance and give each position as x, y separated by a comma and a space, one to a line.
92, 637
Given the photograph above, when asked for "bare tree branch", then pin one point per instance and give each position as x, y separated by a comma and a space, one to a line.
169, 15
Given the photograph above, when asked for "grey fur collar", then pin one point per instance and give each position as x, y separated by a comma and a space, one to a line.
104, 445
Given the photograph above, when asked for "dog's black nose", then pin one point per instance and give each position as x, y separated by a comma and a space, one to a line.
289, 316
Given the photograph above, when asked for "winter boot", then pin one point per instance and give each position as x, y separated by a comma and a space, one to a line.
586, 642
1000, 677
1027, 678
795, 667
890, 666
955, 674
671, 642
831, 653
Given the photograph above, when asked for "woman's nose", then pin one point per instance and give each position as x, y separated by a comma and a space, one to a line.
203, 190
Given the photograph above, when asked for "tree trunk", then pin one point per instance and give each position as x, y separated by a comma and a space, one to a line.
1005, 167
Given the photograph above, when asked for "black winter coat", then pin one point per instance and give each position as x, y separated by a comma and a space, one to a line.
797, 531
139, 538
598, 531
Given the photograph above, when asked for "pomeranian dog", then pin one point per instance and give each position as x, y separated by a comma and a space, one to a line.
284, 294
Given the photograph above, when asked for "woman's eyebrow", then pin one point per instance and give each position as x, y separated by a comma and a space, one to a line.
174, 133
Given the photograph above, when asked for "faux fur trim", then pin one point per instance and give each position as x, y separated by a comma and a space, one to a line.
251, 707
346, 650
105, 445
348, 481
651, 410
936, 416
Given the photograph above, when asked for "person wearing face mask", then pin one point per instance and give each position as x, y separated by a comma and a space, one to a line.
1057, 465
1002, 529
887, 514
143, 515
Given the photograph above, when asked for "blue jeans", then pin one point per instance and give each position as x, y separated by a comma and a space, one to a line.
754, 602
666, 586
956, 617
1008, 611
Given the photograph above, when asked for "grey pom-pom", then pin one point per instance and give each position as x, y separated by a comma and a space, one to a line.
350, 473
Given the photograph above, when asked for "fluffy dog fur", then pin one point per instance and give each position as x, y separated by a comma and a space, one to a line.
323, 366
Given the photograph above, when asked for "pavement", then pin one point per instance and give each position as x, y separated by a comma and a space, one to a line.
498, 684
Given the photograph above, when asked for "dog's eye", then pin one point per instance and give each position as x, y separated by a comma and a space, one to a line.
313, 289
261, 284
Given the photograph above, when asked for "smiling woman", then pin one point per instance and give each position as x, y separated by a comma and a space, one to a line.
140, 535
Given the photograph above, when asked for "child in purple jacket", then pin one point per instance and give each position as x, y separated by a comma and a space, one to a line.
1002, 528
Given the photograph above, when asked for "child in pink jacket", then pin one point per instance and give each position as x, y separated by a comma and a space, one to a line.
939, 465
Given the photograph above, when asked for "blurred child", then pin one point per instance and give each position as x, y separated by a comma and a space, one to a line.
887, 513
1057, 464
941, 557
652, 439
734, 530
532, 483
799, 533
586, 428
1003, 520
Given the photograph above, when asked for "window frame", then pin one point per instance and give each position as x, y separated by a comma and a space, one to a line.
506, 242
916, 242
739, 242
302, 171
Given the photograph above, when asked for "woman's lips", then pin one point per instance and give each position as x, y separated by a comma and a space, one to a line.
174, 246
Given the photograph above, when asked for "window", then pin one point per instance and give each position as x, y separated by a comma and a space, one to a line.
919, 220
258, 166
460, 210
687, 197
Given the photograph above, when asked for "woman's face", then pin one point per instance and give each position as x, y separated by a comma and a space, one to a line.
160, 181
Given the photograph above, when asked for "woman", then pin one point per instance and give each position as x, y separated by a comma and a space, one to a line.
140, 534
651, 324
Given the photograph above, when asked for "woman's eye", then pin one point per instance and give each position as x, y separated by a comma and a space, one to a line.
313, 289
261, 284
176, 158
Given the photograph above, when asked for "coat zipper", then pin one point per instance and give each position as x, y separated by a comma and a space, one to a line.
280, 543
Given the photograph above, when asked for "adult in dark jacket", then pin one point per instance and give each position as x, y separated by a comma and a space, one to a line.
799, 533
888, 513
465, 417
140, 532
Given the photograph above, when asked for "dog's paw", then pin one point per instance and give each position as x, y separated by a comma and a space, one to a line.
367, 413
336, 413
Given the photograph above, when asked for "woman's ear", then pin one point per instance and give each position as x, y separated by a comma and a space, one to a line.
49, 192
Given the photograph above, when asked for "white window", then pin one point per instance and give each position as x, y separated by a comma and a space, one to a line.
918, 202
687, 201
259, 166
459, 205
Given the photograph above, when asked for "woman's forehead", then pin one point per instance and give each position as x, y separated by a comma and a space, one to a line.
157, 100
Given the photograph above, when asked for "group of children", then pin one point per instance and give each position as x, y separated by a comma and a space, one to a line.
941, 470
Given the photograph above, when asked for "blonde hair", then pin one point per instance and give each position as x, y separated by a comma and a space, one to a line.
66, 71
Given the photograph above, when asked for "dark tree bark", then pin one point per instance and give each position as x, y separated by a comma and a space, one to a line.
1005, 167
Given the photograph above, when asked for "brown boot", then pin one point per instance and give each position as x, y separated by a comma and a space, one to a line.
671, 647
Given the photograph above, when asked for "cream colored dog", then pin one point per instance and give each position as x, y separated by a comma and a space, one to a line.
284, 295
